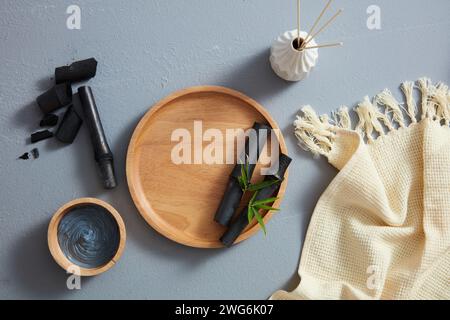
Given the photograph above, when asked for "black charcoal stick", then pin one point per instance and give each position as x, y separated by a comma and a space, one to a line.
103, 154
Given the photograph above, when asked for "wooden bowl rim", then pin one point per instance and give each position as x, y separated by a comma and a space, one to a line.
133, 187
55, 249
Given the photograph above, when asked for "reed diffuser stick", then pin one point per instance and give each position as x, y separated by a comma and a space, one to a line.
325, 45
298, 24
324, 26
317, 21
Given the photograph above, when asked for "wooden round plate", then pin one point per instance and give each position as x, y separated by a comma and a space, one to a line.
180, 201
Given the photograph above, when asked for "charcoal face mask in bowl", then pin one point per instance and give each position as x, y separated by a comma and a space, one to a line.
86, 236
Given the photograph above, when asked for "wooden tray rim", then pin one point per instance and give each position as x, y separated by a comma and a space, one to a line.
149, 212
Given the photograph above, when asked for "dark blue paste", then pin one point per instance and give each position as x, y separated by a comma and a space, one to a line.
89, 236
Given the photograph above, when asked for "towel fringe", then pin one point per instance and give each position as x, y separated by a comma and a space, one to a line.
342, 118
317, 134
369, 117
439, 99
314, 133
424, 87
411, 107
392, 106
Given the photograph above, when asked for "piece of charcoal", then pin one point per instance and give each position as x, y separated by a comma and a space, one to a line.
25, 156
57, 97
35, 153
69, 127
49, 120
102, 152
77, 71
41, 135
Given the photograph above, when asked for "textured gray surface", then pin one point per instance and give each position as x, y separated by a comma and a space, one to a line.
146, 50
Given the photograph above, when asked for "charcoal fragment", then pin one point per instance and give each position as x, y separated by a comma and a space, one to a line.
25, 156
69, 127
55, 98
49, 120
41, 135
35, 153
77, 71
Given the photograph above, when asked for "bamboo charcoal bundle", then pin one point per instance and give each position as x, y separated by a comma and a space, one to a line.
233, 193
241, 221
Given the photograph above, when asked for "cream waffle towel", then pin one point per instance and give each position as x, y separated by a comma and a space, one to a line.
381, 230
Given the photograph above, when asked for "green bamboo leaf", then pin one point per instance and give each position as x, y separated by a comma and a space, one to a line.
262, 185
239, 179
250, 214
260, 221
264, 207
243, 175
244, 183
265, 201
252, 200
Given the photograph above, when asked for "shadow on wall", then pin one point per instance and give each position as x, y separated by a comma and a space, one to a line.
29, 115
309, 197
256, 78
35, 271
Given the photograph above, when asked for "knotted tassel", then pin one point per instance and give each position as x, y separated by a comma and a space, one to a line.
368, 118
424, 87
387, 99
314, 133
439, 99
342, 118
411, 107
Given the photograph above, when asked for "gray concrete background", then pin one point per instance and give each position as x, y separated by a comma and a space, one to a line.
146, 50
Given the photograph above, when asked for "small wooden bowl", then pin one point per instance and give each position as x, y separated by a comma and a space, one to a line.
54, 246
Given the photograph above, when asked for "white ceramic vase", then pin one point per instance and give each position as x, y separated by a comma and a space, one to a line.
290, 63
